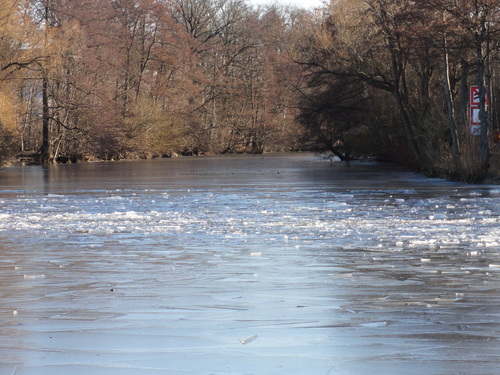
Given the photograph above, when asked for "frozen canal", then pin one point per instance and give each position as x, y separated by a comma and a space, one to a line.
246, 265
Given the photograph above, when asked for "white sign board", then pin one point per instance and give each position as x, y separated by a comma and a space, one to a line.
474, 116
475, 129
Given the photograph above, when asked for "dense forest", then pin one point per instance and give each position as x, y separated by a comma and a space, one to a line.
110, 79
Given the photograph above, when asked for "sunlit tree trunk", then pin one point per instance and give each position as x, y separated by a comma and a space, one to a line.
449, 105
45, 150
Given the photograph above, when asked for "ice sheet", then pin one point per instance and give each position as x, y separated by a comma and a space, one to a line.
246, 265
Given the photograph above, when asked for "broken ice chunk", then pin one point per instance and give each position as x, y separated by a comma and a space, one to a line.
248, 340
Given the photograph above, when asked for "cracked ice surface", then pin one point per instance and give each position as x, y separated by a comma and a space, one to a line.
246, 265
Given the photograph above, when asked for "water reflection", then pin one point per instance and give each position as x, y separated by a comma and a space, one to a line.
169, 266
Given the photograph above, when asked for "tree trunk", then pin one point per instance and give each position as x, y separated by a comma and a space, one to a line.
408, 127
451, 114
483, 118
45, 150
401, 95
464, 98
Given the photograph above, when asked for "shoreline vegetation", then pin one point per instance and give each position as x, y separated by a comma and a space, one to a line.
411, 83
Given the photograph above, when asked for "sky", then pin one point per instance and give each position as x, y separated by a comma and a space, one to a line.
308, 4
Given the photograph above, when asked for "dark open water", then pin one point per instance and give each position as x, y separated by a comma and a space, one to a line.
279, 264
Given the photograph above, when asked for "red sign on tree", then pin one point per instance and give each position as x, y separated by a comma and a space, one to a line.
474, 108
474, 96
